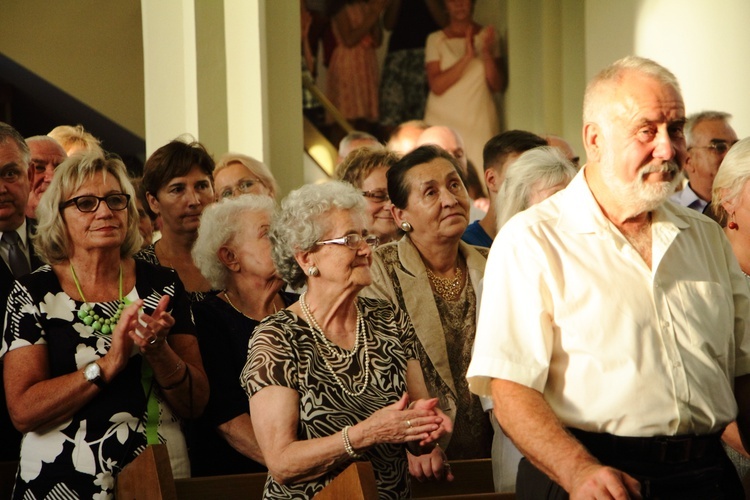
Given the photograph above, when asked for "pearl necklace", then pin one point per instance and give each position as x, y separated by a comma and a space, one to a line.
90, 318
334, 349
448, 288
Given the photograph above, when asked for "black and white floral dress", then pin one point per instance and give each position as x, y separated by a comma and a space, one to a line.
80, 457
283, 352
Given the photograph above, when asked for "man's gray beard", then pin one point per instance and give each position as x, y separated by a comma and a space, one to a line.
637, 196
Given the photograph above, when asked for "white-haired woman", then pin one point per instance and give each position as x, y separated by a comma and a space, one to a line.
535, 176
731, 204
99, 349
330, 378
237, 174
234, 254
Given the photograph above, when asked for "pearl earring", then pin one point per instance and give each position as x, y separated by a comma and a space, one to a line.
313, 271
406, 227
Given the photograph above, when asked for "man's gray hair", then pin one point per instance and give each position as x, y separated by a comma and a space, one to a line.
614, 73
535, 170
302, 222
703, 116
8, 133
220, 224
357, 135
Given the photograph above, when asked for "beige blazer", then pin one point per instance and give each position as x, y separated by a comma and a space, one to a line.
416, 298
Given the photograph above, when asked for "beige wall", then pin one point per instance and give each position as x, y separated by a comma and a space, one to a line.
92, 50
704, 44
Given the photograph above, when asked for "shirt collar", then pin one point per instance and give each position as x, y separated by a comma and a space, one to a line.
580, 213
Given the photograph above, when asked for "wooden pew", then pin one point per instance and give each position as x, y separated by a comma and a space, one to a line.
245, 486
473, 480
148, 477
357, 482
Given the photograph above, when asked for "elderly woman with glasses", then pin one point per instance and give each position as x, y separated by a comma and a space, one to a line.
365, 169
233, 252
432, 276
99, 349
236, 174
330, 378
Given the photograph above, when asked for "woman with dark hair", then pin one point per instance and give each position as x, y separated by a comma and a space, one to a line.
178, 182
99, 349
431, 275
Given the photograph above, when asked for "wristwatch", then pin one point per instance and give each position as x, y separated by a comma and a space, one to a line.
93, 373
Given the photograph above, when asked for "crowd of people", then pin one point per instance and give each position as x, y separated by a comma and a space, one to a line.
589, 335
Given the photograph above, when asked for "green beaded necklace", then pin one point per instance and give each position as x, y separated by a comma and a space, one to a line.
90, 318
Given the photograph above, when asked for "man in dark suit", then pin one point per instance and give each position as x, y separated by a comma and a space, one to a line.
17, 254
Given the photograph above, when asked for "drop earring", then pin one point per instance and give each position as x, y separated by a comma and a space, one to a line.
732, 224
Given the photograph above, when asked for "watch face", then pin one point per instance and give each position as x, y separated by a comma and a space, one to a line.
92, 371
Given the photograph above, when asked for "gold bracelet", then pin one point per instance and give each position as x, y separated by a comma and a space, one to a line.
178, 383
347, 444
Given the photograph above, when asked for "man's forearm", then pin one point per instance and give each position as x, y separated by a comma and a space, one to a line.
533, 427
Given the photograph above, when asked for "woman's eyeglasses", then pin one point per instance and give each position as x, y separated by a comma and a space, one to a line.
353, 241
378, 195
242, 187
90, 203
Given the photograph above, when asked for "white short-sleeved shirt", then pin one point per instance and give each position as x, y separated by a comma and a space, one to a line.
569, 308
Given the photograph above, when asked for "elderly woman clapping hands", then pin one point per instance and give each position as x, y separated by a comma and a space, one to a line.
328, 377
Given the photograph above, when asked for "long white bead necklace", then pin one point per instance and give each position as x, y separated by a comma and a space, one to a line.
333, 348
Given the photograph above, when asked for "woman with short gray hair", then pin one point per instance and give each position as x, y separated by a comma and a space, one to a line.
233, 253
330, 378
535, 176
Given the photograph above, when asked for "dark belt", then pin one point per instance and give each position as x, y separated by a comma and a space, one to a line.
657, 449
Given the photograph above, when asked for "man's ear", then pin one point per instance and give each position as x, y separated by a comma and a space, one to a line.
688, 165
228, 258
592, 141
491, 179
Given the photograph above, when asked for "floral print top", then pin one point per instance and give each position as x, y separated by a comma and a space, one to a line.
80, 458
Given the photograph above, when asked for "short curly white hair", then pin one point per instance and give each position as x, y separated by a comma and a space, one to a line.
301, 223
220, 223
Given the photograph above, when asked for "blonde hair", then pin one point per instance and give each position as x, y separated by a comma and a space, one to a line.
69, 136
256, 167
51, 240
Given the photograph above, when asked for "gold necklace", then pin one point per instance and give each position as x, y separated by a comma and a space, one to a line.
447, 288
229, 301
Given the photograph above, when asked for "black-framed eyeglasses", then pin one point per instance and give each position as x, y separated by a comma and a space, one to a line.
378, 195
353, 241
90, 203
719, 147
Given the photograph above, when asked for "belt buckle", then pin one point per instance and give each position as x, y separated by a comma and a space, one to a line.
673, 449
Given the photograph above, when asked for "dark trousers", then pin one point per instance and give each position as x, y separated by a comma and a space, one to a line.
707, 477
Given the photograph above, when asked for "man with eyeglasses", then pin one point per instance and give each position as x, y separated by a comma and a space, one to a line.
709, 136
18, 257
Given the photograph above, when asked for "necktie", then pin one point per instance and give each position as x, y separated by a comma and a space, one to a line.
16, 258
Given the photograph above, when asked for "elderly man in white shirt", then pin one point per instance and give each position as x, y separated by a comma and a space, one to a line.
617, 339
